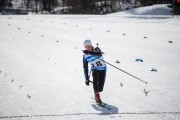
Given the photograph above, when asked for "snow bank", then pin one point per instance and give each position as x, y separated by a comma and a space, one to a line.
162, 9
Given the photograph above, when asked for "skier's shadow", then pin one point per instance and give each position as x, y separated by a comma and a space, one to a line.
105, 111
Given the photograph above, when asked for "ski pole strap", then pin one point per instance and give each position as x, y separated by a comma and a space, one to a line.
90, 81
89, 77
89, 74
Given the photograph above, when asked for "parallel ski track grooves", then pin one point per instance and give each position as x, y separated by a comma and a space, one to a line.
74, 114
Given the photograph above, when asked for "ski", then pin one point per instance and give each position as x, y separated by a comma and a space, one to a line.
104, 105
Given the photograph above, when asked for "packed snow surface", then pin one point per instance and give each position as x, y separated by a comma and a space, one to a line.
41, 72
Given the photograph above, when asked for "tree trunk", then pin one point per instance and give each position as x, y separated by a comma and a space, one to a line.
36, 6
49, 5
2, 4
101, 5
44, 5
63, 2
119, 5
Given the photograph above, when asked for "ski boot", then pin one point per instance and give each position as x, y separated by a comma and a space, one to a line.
97, 98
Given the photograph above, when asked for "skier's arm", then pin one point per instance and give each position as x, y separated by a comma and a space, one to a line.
98, 53
85, 66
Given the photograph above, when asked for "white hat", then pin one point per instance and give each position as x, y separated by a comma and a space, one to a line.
87, 42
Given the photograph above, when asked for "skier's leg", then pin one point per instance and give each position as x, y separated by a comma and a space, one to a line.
102, 78
96, 86
95, 75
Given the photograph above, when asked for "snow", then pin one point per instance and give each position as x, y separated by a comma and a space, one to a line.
41, 74
159, 9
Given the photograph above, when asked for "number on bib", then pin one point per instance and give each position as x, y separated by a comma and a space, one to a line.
98, 63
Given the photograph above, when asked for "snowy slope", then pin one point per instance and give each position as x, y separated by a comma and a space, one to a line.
41, 75
159, 9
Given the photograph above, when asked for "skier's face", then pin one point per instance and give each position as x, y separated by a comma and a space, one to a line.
88, 47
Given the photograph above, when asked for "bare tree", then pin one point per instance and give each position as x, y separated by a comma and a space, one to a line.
119, 4
1, 4
36, 6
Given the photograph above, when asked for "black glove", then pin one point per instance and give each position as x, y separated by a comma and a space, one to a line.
87, 82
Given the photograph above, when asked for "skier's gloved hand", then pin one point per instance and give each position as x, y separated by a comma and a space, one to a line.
87, 82
98, 49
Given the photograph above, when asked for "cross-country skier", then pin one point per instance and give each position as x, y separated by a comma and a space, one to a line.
98, 67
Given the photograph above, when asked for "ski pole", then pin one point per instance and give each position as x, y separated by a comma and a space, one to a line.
124, 71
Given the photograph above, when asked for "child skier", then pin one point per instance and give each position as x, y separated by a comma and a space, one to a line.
98, 67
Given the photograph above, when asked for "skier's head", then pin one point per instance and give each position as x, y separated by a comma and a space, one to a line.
88, 45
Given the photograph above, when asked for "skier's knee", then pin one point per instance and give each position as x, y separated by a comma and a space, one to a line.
100, 90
